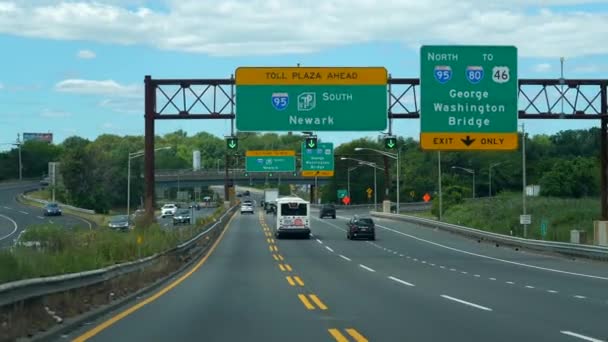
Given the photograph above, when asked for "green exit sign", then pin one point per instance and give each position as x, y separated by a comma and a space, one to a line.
270, 161
390, 143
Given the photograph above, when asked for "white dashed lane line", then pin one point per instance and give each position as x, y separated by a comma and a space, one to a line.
477, 306
580, 336
367, 268
400, 281
24, 212
329, 249
345, 258
579, 297
319, 241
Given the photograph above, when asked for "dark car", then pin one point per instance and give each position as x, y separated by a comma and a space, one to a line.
120, 222
361, 227
195, 205
328, 210
246, 193
52, 209
181, 216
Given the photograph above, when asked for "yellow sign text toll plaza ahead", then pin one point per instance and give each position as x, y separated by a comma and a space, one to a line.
468, 98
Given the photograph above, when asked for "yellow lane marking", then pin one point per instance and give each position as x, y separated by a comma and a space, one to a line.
337, 335
281, 257
270, 248
288, 267
271, 240
355, 334
318, 302
298, 280
268, 240
275, 257
87, 335
282, 267
275, 248
290, 281
306, 302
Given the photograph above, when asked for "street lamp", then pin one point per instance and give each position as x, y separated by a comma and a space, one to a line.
134, 155
490, 178
471, 171
370, 164
348, 178
391, 155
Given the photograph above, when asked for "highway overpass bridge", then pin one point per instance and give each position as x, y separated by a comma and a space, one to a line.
165, 179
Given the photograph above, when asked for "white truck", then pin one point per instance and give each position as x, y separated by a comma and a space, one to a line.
270, 199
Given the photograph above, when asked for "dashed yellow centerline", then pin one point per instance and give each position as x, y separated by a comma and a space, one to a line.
270, 248
306, 302
275, 248
290, 281
275, 257
287, 267
298, 280
317, 301
280, 257
282, 267
335, 333
356, 335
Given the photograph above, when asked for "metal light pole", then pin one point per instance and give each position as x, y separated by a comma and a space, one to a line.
490, 178
561, 78
132, 156
523, 165
370, 164
471, 171
391, 155
440, 193
18, 144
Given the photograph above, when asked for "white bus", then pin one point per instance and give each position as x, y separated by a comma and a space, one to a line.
292, 216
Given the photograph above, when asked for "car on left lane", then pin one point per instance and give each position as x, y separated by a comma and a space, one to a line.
120, 222
182, 216
51, 209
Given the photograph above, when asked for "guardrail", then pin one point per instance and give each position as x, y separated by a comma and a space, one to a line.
66, 206
572, 249
25, 289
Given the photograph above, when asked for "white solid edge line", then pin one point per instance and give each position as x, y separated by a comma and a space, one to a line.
367, 268
466, 303
345, 258
493, 258
83, 220
15, 227
400, 281
329, 248
582, 337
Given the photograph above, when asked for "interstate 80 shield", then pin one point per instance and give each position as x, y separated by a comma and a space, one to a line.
474, 74
280, 101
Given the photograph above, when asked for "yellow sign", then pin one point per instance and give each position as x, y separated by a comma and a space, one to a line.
270, 153
369, 191
326, 173
140, 239
311, 76
468, 141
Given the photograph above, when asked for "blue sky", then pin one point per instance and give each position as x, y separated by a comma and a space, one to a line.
85, 77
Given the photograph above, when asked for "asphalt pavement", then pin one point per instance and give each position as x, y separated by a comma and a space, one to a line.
411, 284
16, 217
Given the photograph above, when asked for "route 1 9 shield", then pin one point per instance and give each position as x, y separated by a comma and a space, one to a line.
280, 101
443, 73
474, 74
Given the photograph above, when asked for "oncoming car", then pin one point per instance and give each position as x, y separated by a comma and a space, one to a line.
51, 209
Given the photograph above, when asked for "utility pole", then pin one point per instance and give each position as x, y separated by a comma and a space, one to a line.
523, 157
20, 164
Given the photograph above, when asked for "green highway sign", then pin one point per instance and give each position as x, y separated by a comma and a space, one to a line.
270, 161
390, 143
342, 193
232, 143
318, 161
468, 97
311, 99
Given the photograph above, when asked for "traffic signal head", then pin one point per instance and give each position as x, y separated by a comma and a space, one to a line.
390, 143
232, 143
311, 143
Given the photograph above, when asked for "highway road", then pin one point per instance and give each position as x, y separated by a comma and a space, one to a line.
16, 217
411, 284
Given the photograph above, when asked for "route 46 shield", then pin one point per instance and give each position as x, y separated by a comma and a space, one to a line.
443, 73
474, 74
280, 101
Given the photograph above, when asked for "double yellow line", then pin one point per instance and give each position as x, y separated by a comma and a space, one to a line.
309, 303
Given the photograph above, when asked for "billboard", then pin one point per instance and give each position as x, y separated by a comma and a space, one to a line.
47, 137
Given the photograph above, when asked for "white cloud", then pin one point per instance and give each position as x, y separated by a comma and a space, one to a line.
49, 113
86, 54
265, 27
107, 125
125, 106
542, 67
96, 87
1, 85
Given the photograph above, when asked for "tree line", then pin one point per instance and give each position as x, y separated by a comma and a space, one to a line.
565, 164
